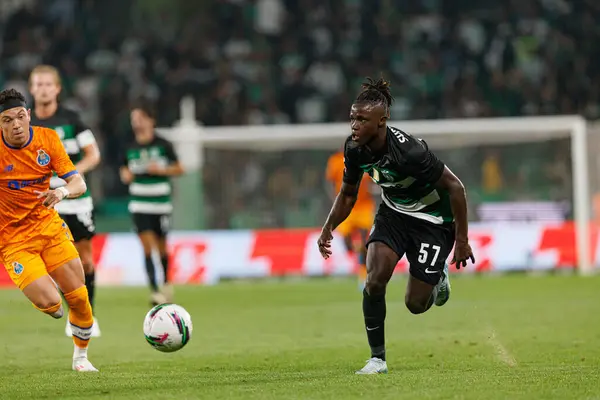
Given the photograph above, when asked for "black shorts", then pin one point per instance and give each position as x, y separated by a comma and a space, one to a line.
426, 245
82, 225
157, 223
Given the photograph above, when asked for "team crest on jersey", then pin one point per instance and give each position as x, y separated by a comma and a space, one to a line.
17, 268
43, 158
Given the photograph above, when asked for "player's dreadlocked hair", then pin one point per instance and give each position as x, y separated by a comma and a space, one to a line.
11, 94
376, 92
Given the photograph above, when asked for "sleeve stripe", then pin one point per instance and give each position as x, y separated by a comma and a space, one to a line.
68, 174
85, 138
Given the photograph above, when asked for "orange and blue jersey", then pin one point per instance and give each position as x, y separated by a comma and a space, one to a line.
24, 171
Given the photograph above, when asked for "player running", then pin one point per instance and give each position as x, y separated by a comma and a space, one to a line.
360, 219
147, 168
81, 146
36, 245
423, 214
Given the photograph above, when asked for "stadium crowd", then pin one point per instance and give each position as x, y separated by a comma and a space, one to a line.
302, 61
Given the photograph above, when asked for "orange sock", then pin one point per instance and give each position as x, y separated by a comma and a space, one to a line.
55, 311
80, 316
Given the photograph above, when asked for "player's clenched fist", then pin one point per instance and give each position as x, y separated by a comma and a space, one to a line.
52, 197
324, 243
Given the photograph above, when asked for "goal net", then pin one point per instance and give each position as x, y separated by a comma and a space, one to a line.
526, 179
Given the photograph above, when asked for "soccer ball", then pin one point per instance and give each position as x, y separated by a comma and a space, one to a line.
168, 327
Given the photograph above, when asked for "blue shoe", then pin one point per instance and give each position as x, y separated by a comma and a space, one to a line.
443, 288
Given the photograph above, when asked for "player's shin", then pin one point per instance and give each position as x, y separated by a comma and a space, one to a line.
374, 311
81, 319
90, 284
167, 289
151, 272
164, 260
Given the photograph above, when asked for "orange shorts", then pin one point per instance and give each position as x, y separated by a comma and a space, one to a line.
39, 255
359, 219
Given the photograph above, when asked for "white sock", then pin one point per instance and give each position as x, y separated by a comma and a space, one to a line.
79, 352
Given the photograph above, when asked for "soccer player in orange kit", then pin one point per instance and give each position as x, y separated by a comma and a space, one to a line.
360, 220
36, 246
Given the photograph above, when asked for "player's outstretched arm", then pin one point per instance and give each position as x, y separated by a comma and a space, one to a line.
90, 160
458, 202
64, 168
74, 188
89, 147
342, 206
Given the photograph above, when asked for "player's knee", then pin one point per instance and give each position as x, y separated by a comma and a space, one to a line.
88, 266
86, 261
375, 285
46, 303
50, 306
415, 307
147, 250
161, 246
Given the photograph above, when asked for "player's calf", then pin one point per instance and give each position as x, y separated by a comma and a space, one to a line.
381, 261
84, 248
43, 296
80, 316
90, 281
415, 307
81, 320
420, 295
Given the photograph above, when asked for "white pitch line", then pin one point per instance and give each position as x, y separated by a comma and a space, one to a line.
502, 352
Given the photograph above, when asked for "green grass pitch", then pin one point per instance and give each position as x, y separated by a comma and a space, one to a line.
512, 337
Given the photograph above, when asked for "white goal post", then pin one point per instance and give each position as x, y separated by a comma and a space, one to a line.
190, 139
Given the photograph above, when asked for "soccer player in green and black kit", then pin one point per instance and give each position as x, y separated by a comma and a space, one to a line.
81, 146
147, 168
423, 214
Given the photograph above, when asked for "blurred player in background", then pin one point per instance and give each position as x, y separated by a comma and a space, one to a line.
81, 146
360, 220
36, 246
423, 214
147, 168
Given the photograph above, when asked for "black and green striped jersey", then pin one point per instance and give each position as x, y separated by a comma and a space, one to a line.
75, 136
406, 170
150, 194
